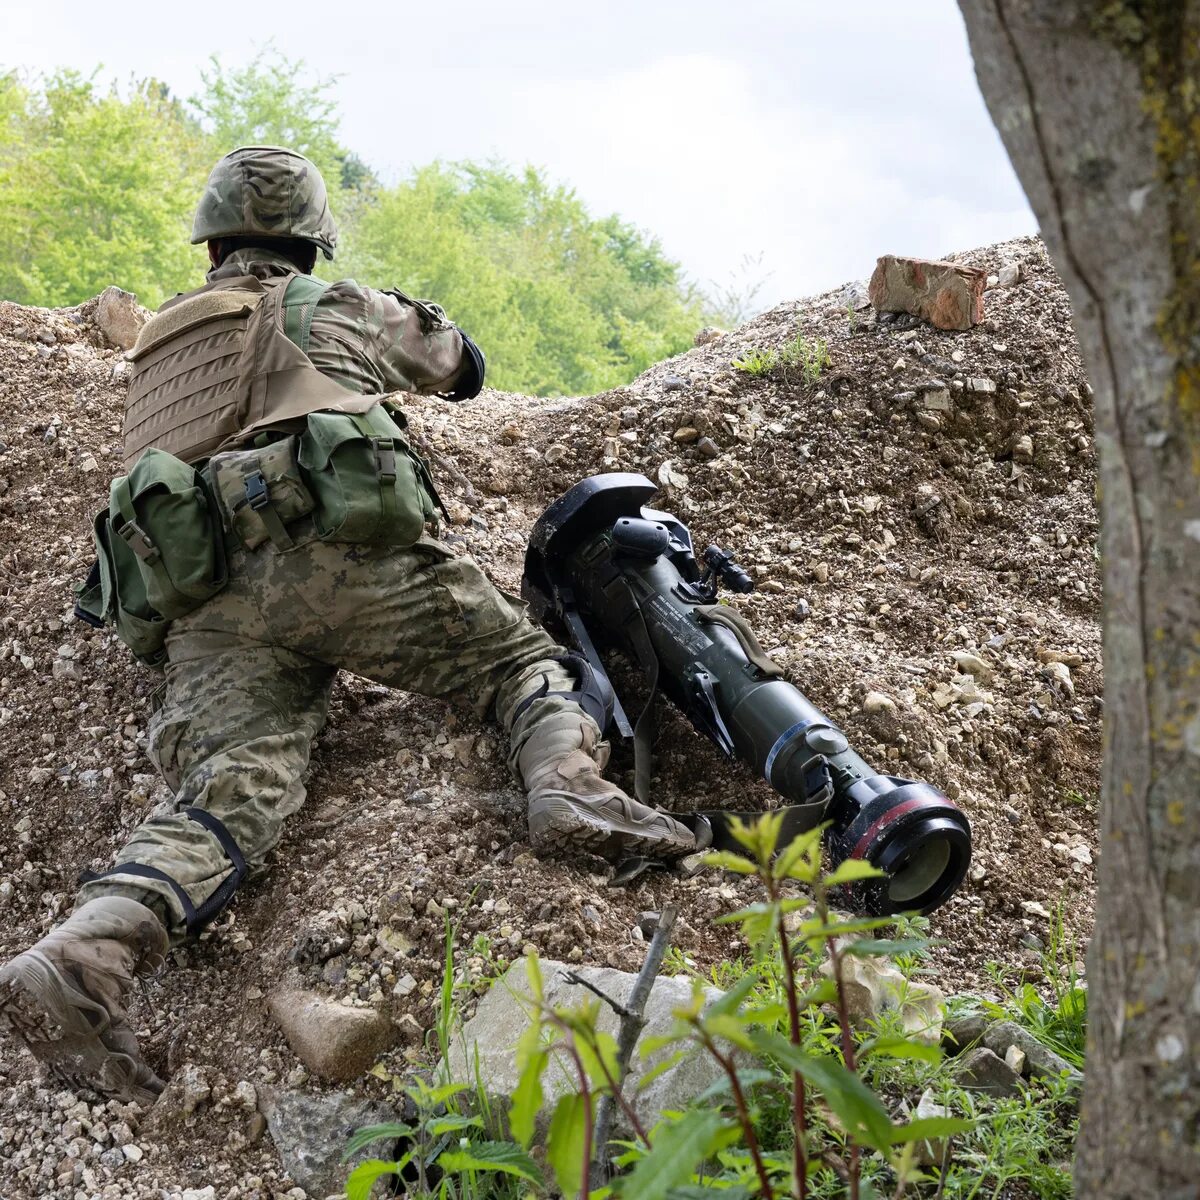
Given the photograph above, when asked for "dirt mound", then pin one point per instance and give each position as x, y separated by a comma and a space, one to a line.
920, 519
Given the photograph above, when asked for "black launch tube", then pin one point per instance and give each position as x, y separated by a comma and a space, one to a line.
631, 572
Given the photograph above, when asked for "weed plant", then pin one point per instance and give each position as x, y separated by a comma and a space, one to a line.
805, 1107
799, 359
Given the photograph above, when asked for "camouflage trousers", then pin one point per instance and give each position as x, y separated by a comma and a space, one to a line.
248, 680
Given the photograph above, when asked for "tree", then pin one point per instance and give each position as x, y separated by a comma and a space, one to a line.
1098, 104
271, 102
562, 301
95, 188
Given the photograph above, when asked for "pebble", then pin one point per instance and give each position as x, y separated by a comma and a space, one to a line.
674, 383
686, 434
708, 448
878, 702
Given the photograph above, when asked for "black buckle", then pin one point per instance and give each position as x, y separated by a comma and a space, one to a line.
385, 459
257, 494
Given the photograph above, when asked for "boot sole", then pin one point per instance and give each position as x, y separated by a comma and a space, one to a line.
560, 823
63, 1030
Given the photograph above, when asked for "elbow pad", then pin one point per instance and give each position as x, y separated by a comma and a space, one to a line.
470, 380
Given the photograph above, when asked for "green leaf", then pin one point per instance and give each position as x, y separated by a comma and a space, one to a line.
452, 1122
659, 1068
800, 858
362, 1178
375, 1133
901, 1047
732, 999
749, 1077
726, 860
533, 970
730, 1027
677, 1150
889, 947
501, 1158
851, 871
857, 1107
527, 1096
827, 929
564, 1143
922, 1128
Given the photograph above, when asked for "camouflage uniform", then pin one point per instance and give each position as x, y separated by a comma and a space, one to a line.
249, 673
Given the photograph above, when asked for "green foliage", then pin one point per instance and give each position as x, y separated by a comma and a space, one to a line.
562, 302
95, 188
271, 102
99, 186
798, 359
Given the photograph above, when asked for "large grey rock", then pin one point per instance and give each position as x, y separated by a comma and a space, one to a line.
1040, 1061
311, 1132
120, 317
503, 1015
333, 1040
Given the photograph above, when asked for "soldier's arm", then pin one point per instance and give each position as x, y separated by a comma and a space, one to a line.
420, 350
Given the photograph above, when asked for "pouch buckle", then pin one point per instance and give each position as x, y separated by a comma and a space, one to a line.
385, 459
257, 494
139, 542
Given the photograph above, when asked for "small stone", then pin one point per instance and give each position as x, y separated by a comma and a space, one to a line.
120, 317
88, 463
801, 610
686, 434
1039, 1060
878, 702
1015, 1057
1009, 275
972, 664
936, 400
821, 572
332, 1040
962, 1031
980, 1070
708, 448
957, 356
1022, 450
979, 384
133, 1153
555, 453
708, 335
675, 383
404, 985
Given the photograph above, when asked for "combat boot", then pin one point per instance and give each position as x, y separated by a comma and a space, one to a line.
572, 806
65, 997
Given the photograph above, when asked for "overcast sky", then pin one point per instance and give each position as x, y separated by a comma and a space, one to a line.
816, 134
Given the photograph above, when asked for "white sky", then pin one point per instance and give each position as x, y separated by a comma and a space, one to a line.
816, 134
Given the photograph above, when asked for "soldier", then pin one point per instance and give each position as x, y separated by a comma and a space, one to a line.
239, 366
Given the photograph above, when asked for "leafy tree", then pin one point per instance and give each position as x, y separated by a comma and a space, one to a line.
563, 302
271, 102
95, 189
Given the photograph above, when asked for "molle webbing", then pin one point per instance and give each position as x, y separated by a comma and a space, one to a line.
187, 393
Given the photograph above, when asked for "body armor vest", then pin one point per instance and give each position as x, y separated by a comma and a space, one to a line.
215, 367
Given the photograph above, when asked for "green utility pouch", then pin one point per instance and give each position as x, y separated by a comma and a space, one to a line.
260, 492
159, 554
165, 516
368, 484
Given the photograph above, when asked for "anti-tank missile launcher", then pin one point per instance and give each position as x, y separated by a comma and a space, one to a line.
611, 571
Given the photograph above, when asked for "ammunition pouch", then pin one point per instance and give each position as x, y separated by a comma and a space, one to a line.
260, 492
367, 483
159, 552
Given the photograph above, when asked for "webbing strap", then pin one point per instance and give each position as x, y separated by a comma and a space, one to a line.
385, 448
301, 296
643, 731
195, 918
258, 496
136, 538
723, 615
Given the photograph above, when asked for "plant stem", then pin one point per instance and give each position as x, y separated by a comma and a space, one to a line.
848, 1053
586, 1092
743, 1111
799, 1120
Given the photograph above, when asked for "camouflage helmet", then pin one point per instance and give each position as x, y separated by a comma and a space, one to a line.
267, 190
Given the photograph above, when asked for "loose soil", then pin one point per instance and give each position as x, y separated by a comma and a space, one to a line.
888, 531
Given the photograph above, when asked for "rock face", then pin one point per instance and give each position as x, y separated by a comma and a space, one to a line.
502, 1017
311, 1132
120, 317
331, 1039
947, 295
